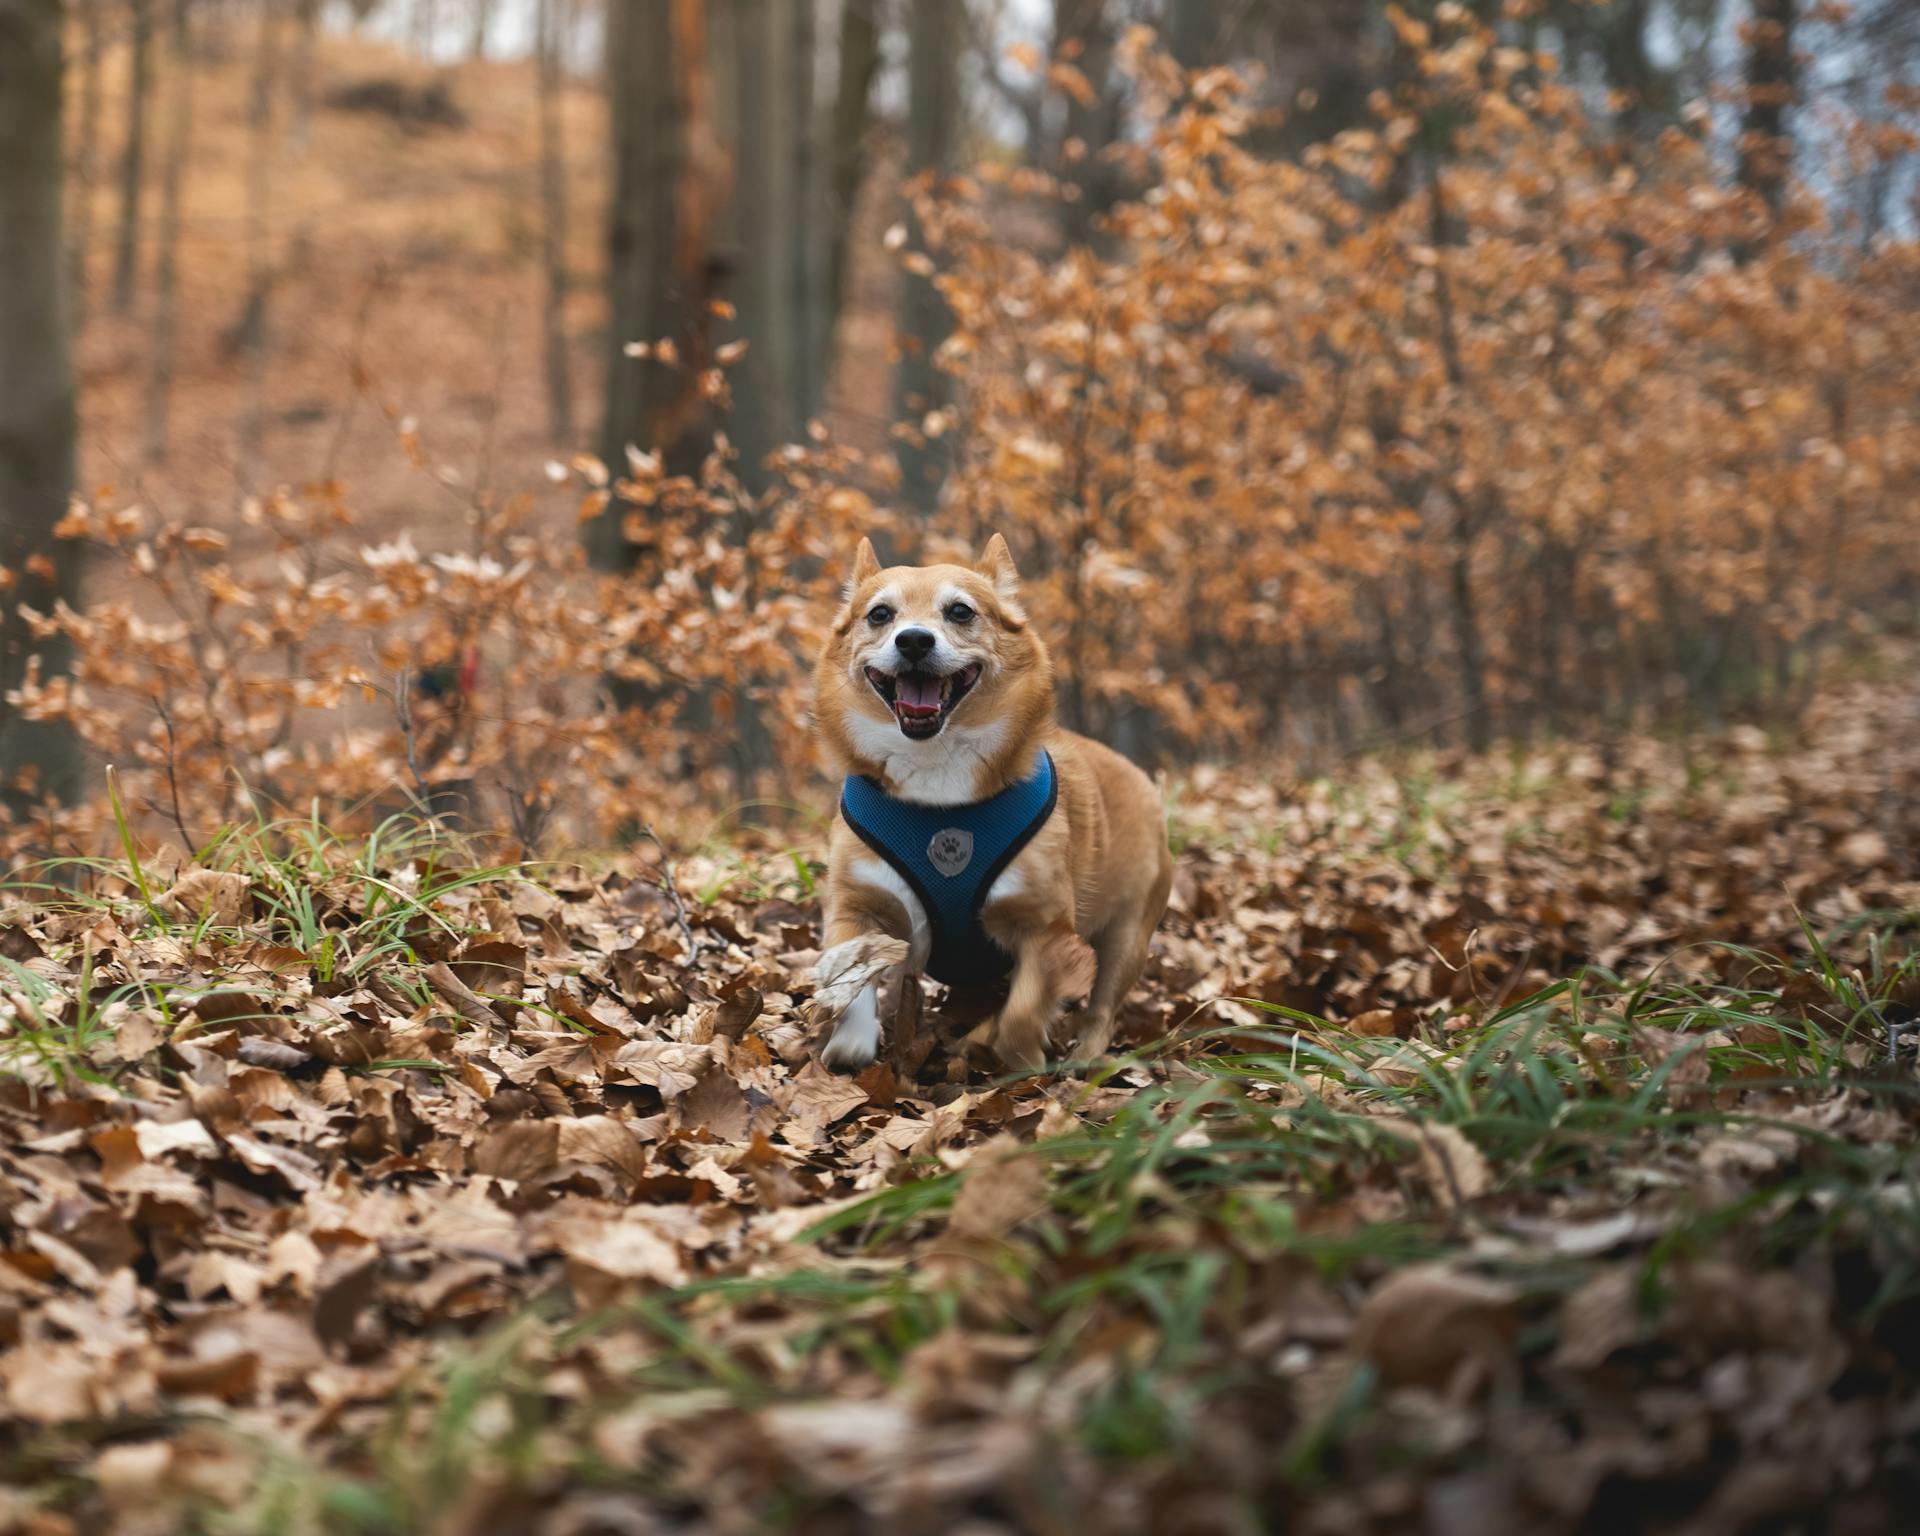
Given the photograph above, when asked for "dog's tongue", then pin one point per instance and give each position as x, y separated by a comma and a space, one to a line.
917, 694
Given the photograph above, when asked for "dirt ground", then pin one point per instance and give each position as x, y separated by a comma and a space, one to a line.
402, 252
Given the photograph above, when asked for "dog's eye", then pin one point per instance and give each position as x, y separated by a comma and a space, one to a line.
879, 614
959, 613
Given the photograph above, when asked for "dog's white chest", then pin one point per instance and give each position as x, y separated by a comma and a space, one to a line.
944, 771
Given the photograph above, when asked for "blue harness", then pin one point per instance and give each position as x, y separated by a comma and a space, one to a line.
949, 855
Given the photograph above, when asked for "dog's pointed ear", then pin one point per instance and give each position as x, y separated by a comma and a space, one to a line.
996, 564
865, 563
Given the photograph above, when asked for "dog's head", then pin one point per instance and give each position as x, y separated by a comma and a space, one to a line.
918, 649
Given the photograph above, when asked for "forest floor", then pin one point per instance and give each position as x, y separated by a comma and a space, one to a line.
405, 283
402, 234
1513, 1145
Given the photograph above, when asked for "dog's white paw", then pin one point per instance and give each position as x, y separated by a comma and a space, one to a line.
856, 1038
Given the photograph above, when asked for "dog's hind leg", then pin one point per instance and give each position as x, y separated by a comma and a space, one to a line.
1121, 950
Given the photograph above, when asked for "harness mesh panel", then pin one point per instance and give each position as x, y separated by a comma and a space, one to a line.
974, 843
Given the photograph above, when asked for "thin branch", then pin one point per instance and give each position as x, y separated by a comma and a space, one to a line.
357, 375
173, 783
529, 813
672, 890
403, 712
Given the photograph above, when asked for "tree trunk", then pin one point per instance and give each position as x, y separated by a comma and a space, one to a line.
482, 23
934, 47
37, 758
1192, 29
87, 158
306, 23
859, 61
553, 223
126, 266
1331, 57
812, 303
1083, 37
166, 278
1467, 522
664, 263
1467, 642
765, 381
256, 327
1766, 153
1646, 90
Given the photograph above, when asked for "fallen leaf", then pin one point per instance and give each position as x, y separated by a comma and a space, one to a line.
1422, 1322
672, 1066
464, 1001
1453, 1168
220, 898
1600, 1317
606, 1258
845, 971
1003, 1186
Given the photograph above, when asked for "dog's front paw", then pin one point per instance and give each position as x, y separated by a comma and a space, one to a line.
1019, 1054
991, 1045
849, 1057
1090, 1052
846, 1060
856, 1038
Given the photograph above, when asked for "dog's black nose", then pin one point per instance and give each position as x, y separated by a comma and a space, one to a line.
914, 644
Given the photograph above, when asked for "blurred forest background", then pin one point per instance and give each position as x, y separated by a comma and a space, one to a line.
1343, 374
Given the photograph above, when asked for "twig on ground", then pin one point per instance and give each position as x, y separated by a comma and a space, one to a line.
1893, 1030
672, 890
1512, 980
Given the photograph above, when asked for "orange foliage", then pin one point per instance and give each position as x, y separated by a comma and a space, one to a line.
1468, 414
503, 684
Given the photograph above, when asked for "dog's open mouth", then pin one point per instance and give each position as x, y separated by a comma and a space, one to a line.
921, 701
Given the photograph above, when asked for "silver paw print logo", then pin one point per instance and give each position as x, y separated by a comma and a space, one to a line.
951, 850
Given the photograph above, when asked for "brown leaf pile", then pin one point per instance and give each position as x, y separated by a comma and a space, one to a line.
258, 1192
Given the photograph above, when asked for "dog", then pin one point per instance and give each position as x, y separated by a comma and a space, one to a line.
971, 825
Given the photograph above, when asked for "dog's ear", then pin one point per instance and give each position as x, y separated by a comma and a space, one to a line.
996, 564
865, 563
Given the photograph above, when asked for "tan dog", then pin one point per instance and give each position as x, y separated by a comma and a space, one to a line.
965, 800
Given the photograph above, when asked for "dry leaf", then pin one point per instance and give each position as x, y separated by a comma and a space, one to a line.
221, 898
1453, 1168
847, 970
1003, 1186
1421, 1323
